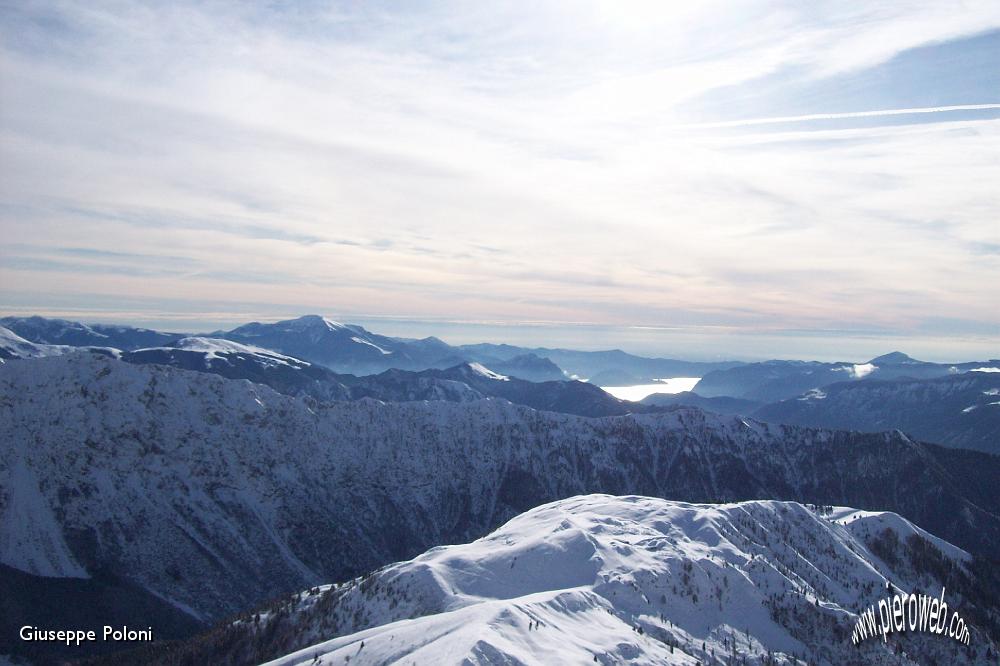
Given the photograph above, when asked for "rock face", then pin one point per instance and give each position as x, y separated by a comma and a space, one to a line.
216, 494
611, 580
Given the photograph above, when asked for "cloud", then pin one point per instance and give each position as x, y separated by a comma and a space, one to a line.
840, 116
521, 163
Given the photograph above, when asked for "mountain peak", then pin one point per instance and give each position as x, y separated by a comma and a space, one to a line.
584, 579
315, 321
893, 358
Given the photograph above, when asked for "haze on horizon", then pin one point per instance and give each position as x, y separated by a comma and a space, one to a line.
766, 179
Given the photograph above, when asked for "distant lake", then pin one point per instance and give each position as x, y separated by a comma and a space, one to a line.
636, 393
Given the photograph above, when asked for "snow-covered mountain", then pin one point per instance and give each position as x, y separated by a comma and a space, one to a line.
42, 330
344, 347
321, 341
462, 383
772, 381
957, 410
215, 494
612, 580
235, 360
13, 345
292, 376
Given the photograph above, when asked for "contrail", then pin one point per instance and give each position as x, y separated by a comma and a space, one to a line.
836, 116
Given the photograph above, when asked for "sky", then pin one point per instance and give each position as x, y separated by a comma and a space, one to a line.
726, 179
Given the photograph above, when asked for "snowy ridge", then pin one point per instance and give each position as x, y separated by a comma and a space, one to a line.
217, 346
627, 579
13, 345
62, 332
482, 370
866, 522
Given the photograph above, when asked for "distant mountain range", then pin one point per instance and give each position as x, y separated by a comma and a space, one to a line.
948, 404
291, 376
772, 381
611, 580
604, 368
351, 349
41, 330
956, 410
473, 381
924, 414
717, 405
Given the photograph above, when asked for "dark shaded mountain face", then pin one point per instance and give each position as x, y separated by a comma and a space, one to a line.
604, 368
957, 410
718, 405
895, 358
532, 367
74, 334
567, 397
80, 603
217, 494
772, 381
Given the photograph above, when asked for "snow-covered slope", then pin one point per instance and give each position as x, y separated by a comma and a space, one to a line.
636, 580
234, 360
216, 494
219, 346
13, 345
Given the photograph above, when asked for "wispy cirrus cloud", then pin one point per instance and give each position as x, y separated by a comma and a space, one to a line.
610, 163
849, 115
